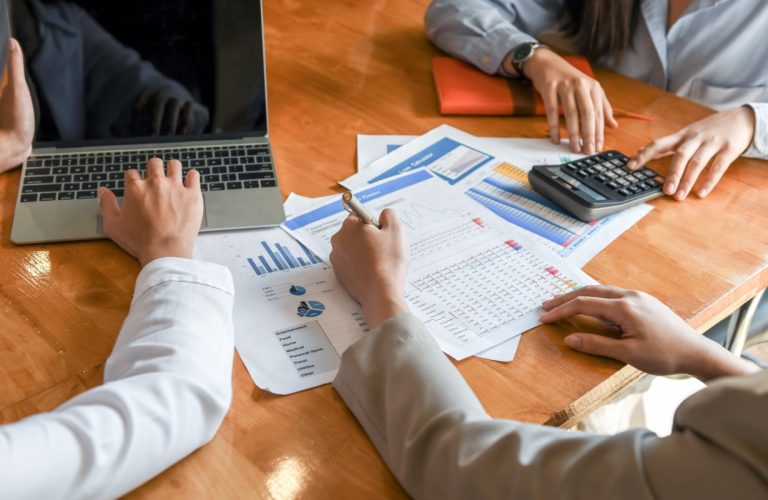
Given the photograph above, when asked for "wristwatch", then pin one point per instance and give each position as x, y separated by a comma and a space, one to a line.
522, 53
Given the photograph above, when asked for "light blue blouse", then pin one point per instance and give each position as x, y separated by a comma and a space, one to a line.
715, 54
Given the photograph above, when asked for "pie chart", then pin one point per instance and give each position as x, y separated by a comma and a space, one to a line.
310, 309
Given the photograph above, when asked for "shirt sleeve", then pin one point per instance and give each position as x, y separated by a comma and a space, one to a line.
440, 443
167, 388
759, 146
483, 32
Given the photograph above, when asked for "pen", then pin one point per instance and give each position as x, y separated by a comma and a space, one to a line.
353, 206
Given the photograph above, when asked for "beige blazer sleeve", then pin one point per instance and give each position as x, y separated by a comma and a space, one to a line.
440, 443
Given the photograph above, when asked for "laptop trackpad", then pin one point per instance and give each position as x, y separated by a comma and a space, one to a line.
243, 208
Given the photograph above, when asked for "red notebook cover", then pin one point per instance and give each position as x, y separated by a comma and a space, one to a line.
465, 90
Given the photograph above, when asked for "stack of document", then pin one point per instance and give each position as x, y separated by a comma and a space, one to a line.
486, 250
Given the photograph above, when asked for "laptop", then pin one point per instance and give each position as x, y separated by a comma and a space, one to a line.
193, 88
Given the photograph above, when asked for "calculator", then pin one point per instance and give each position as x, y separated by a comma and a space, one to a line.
596, 186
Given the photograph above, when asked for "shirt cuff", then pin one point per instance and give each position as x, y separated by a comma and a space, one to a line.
759, 146
174, 269
497, 44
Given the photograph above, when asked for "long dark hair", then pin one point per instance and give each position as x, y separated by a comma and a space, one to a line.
601, 27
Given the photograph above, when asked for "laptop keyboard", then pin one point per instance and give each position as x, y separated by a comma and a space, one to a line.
77, 176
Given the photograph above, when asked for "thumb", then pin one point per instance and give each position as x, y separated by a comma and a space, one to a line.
598, 345
16, 79
108, 205
388, 219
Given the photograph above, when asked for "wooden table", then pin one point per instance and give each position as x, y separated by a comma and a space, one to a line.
338, 68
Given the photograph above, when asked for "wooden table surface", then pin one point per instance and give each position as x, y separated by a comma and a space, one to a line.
337, 68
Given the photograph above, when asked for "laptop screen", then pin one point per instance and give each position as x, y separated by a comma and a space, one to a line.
143, 71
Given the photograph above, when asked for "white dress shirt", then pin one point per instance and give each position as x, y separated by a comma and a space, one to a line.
440, 443
167, 386
714, 54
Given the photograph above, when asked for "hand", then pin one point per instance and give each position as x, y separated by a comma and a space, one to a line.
717, 141
653, 338
160, 216
372, 265
160, 113
17, 116
585, 107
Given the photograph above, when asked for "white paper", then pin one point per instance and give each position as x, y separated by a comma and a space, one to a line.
291, 325
493, 172
475, 280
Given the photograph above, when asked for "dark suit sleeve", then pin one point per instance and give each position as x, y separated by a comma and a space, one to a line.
440, 443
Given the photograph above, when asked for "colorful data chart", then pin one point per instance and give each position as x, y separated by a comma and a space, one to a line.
278, 257
507, 193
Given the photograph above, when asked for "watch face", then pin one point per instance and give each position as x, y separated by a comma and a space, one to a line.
523, 52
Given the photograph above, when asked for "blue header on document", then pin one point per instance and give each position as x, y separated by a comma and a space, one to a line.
365, 195
448, 159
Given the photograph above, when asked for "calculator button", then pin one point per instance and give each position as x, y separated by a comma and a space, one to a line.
580, 163
613, 185
583, 173
617, 162
623, 182
610, 174
588, 161
643, 186
571, 167
599, 168
624, 191
591, 171
602, 178
632, 178
634, 189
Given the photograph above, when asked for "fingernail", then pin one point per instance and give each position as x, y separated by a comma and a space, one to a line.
599, 146
573, 341
99, 193
669, 188
632, 164
588, 147
680, 195
544, 315
703, 191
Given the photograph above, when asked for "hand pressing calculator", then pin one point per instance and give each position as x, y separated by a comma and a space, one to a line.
596, 186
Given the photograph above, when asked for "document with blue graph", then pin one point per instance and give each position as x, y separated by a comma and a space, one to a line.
495, 175
475, 279
292, 319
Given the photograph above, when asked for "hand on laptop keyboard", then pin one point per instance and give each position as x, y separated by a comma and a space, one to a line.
161, 214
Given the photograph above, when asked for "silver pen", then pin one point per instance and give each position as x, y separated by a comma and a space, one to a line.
353, 206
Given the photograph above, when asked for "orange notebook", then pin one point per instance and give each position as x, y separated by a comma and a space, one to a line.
465, 90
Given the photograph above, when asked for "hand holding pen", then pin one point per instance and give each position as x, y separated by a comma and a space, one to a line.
353, 206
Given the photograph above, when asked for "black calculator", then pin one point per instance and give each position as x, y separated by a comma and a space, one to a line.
596, 186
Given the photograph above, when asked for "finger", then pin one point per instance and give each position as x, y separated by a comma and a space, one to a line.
598, 345
553, 114
193, 180
155, 168
132, 176
388, 220
608, 109
174, 170
586, 119
186, 119
653, 150
682, 156
571, 113
719, 165
697, 163
158, 110
171, 116
108, 205
597, 307
597, 101
604, 291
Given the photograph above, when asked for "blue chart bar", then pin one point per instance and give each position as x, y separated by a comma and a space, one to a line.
520, 217
279, 257
254, 266
312, 257
266, 266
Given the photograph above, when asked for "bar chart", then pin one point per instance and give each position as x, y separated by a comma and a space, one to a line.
276, 257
